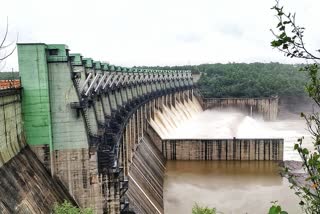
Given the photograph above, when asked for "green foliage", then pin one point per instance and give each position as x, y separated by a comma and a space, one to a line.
276, 209
289, 36
196, 209
289, 40
67, 208
252, 80
248, 80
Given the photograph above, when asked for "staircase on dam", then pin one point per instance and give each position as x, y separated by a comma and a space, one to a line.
95, 134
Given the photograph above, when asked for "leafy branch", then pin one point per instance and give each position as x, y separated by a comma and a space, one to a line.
290, 42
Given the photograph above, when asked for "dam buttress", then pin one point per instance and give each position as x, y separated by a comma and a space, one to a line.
95, 129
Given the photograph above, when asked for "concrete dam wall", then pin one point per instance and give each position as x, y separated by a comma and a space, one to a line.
267, 107
11, 133
223, 149
86, 121
25, 185
98, 133
218, 149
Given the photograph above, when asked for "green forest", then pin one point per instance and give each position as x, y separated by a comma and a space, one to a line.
248, 80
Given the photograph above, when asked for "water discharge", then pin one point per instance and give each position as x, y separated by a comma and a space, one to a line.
212, 124
230, 186
170, 119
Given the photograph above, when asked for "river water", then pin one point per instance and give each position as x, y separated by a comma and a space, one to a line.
230, 186
233, 187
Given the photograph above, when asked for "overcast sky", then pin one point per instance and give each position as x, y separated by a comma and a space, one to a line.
157, 32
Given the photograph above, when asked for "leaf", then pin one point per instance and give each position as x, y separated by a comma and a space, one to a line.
285, 46
283, 35
276, 43
273, 210
305, 151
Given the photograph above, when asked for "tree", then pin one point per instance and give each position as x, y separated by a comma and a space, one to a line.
6, 49
289, 40
67, 208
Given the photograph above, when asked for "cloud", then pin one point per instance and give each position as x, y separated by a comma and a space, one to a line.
189, 37
159, 32
231, 29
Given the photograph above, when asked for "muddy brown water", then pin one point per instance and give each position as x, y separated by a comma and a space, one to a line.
233, 187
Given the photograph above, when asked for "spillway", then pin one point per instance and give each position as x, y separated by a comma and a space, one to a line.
146, 176
103, 133
221, 124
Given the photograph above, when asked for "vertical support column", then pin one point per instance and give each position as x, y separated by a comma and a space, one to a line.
149, 111
113, 100
118, 97
173, 99
99, 108
181, 97
129, 92
107, 104
191, 94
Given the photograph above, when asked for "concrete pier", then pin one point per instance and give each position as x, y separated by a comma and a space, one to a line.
88, 125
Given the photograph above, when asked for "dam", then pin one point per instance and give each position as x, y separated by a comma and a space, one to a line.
99, 135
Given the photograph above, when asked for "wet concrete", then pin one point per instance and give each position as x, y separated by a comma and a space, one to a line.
27, 187
230, 186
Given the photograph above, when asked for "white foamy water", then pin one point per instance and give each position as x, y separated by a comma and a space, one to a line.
173, 118
212, 124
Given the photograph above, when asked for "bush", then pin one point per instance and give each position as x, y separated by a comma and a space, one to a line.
67, 208
196, 209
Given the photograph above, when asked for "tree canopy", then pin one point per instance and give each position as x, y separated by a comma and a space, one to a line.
248, 80
252, 80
